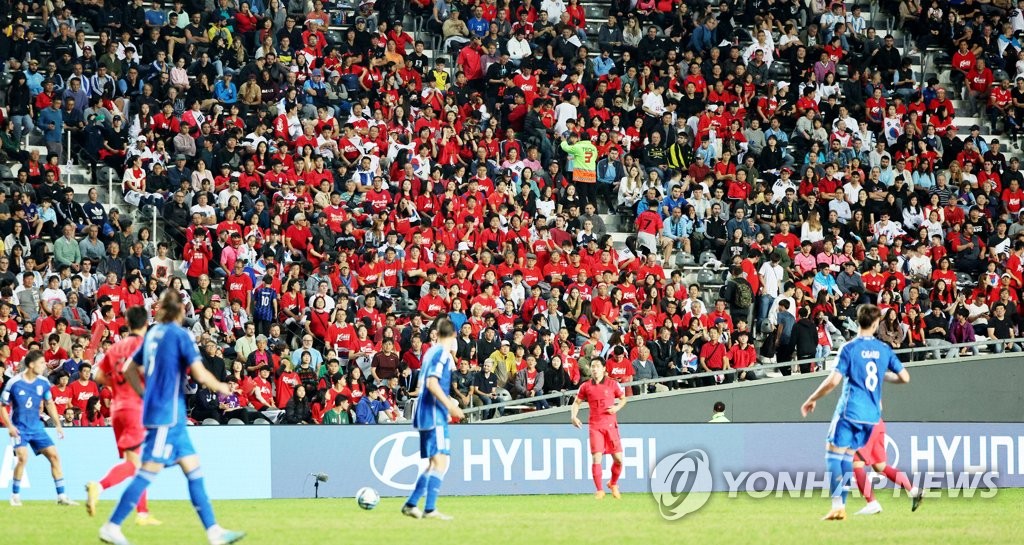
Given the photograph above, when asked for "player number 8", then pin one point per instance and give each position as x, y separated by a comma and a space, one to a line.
871, 382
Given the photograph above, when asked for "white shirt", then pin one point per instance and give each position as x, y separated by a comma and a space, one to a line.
555, 9
518, 49
564, 112
771, 276
653, 102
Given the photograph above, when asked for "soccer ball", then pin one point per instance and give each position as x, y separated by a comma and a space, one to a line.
367, 498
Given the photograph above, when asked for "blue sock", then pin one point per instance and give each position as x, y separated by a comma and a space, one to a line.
131, 496
834, 463
16, 486
59, 483
433, 489
201, 502
420, 490
847, 467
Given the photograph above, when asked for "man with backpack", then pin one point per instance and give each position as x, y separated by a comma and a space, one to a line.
739, 294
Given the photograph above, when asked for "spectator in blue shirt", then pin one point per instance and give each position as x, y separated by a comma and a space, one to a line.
225, 90
477, 24
674, 199
51, 122
370, 406
603, 64
156, 17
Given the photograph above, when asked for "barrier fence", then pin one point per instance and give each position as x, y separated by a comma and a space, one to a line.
263, 462
692, 378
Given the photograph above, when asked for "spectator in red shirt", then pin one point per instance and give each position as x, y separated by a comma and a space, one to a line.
83, 388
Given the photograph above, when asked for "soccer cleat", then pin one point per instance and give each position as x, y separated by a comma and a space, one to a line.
872, 508
146, 520
615, 491
437, 515
412, 511
63, 499
15, 500
112, 534
917, 499
224, 537
92, 497
836, 514
599, 495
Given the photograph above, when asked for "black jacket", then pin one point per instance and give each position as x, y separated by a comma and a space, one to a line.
805, 335
298, 411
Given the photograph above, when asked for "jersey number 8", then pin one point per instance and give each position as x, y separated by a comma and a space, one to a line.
871, 382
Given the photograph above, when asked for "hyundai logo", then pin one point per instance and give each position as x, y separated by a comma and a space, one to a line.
395, 460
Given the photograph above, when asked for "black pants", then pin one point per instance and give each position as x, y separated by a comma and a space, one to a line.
587, 192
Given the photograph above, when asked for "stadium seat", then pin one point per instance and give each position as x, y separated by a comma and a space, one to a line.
211, 422
236, 422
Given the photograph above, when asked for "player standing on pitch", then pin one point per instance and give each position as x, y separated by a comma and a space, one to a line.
125, 414
873, 454
605, 398
25, 393
430, 418
167, 353
861, 366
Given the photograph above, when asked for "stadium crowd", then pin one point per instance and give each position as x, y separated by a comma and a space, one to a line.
324, 196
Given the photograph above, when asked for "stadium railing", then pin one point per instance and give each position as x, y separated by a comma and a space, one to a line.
527, 404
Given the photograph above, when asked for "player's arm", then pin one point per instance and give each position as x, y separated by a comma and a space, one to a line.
131, 374
51, 409
5, 419
575, 412
903, 377
826, 387
618, 405
203, 377
434, 387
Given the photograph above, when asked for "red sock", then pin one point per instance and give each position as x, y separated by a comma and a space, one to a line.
595, 470
143, 506
861, 476
117, 474
898, 477
616, 471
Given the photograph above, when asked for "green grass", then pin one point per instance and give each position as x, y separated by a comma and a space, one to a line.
530, 520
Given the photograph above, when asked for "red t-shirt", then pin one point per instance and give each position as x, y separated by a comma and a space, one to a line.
600, 396
80, 393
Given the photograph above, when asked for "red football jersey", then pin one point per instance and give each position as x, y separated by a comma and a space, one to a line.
113, 365
601, 396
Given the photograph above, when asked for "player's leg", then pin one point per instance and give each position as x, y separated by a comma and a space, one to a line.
115, 475
438, 468
840, 466
615, 446
157, 452
189, 464
428, 449
50, 453
864, 484
597, 449
901, 479
21, 454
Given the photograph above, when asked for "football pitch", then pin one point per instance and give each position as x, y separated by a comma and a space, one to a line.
532, 520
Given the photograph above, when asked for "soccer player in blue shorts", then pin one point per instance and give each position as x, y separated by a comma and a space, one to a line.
861, 366
25, 393
430, 417
167, 353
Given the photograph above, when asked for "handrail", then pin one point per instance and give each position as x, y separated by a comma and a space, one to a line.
759, 367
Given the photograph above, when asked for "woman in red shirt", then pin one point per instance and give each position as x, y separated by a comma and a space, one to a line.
92, 416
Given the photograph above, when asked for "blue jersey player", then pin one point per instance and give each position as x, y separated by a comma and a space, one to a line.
167, 353
27, 393
430, 418
862, 365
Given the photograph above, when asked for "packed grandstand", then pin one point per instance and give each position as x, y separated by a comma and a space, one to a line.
677, 187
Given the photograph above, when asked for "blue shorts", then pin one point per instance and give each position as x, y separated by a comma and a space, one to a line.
38, 440
166, 445
846, 434
435, 441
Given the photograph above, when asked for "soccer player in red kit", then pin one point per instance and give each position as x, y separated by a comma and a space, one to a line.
605, 398
873, 454
126, 414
